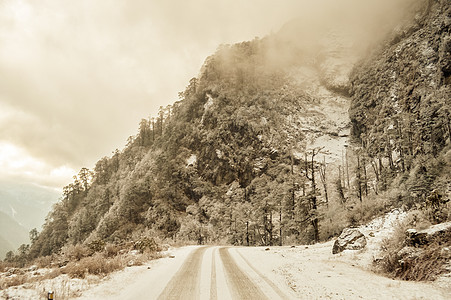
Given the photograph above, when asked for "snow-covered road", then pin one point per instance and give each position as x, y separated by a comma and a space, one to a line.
217, 272
194, 273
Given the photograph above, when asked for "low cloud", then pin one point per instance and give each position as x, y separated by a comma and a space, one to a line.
19, 166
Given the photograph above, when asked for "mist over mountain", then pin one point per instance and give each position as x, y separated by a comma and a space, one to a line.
261, 148
12, 234
27, 204
22, 207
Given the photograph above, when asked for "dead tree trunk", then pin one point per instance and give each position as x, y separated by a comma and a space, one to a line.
339, 186
280, 225
247, 233
359, 178
322, 173
365, 177
293, 188
347, 168
376, 174
313, 196
270, 227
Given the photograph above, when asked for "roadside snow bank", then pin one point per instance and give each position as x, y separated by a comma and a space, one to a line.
375, 232
63, 287
313, 272
128, 283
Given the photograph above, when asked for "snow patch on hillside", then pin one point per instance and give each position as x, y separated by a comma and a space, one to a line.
207, 107
375, 232
191, 161
325, 121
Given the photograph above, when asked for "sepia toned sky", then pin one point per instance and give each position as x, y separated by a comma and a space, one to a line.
77, 76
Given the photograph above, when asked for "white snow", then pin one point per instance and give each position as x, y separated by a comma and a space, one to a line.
300, 272
219, 153
207, 106
313, 272
377, 230
128, 284
221, 282
63, 286
325, 121
191, 160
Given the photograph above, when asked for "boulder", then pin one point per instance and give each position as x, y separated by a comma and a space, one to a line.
423, 237
414, 238
349, 239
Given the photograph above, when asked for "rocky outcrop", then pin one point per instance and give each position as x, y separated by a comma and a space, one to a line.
426, 253
349, 239
407, 79
423, 237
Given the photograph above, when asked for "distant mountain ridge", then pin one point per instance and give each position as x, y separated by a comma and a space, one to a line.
12, 234
27, 204
22, 208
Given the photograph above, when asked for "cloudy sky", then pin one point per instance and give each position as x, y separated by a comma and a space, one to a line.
77, 76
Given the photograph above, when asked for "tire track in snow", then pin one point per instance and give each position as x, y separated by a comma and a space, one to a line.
240, 285
186, 282
213, 290
275, 288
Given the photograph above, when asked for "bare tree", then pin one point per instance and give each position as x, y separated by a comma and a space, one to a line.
339, 186
313, 194
322, 174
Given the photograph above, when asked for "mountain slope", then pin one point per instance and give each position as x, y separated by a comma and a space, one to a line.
242, 157
217, 164
401, 105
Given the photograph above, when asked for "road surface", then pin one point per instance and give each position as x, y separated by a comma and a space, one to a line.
217, 272
196, 272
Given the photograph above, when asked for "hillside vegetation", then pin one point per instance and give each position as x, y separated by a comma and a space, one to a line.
258, 150
400, 109
400, 113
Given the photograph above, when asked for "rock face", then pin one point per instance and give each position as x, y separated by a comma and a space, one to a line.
349, 239
423, 237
